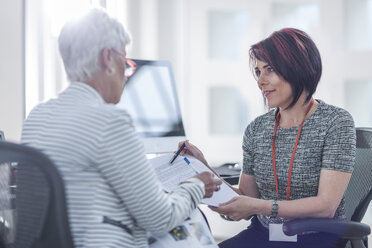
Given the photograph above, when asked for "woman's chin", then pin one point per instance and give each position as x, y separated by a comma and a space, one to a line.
271, 104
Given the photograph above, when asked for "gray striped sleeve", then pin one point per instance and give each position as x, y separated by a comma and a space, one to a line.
124, 165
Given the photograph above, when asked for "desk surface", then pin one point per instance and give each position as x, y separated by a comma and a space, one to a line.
233, 180
230, 175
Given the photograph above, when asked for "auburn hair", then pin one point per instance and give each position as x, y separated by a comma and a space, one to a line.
294, 56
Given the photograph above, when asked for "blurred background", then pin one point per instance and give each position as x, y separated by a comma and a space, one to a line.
207, 42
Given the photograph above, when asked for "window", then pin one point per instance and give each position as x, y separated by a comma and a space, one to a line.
228, 111
304, 16
358, 24
357, 98
226, 30
45, 74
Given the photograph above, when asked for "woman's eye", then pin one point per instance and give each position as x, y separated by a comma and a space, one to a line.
257, 73
269, 69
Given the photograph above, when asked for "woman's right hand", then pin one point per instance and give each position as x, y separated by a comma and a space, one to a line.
192, 150
211, 183
241, 207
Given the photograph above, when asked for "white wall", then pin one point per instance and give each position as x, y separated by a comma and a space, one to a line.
11, 68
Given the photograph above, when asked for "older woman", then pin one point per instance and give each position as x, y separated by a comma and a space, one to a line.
298, 157
113, 195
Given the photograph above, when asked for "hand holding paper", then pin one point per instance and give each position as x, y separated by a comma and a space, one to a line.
210, 184
171, 175
223, 195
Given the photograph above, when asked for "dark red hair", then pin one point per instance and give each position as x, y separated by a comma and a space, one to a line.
294, 56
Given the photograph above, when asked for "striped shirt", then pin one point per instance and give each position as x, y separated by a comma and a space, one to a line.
105, 170
327, 141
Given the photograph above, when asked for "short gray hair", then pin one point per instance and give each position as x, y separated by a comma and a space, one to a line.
81, 42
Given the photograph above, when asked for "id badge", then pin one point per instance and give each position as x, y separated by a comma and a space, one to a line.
276, 234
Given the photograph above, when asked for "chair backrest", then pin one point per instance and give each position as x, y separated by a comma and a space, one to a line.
359, 192
41, 211
7, 203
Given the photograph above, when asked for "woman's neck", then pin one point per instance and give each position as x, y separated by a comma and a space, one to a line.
295, 115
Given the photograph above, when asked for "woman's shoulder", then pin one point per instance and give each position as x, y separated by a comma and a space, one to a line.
115, 113
332, 113
266, 117
262, 121
107, 115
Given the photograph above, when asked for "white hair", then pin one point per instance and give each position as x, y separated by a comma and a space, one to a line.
81, 43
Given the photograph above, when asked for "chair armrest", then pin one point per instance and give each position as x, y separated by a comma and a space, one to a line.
344, 228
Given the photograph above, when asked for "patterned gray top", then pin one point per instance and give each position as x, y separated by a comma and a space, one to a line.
327, 141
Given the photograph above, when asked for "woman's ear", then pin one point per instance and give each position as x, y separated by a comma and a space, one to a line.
107, 61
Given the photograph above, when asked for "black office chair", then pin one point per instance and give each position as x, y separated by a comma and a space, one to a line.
7, 202
7, 227
40, 204
357, 198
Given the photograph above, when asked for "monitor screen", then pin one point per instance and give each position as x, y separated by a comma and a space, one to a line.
150, 97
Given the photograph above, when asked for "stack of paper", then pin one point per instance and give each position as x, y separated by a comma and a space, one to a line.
170, 175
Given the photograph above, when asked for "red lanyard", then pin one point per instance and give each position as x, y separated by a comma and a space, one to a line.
293, 152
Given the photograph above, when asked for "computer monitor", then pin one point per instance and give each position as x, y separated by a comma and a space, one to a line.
150, 97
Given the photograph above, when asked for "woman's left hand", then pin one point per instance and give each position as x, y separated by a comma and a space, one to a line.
238, 208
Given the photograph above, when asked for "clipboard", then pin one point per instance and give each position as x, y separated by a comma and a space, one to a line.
171, 175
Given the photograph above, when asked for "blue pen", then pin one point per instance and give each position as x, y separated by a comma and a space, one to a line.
189, 163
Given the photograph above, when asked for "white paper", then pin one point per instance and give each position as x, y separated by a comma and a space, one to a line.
171, 175
193, 232
276, 234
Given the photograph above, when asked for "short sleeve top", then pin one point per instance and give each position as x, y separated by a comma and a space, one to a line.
327, 141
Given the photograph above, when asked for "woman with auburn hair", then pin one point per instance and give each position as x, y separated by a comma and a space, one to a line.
298, 157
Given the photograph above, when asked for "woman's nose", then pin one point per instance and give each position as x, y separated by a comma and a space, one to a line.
261, 81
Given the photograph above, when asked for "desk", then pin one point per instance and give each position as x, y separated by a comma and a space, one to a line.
230, 175
233, 180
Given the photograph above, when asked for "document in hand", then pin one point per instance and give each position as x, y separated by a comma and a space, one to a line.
193, 232
170, 175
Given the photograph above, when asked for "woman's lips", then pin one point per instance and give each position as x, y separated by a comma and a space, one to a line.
267, 92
